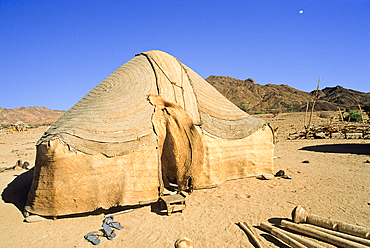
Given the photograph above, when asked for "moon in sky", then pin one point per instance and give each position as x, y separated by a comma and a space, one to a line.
301, 11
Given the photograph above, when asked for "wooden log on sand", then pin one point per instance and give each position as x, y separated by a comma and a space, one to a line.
303, 241
299, 215
246, 228
282, 236
321, 235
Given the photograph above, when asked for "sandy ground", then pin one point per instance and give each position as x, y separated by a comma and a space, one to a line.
335, 183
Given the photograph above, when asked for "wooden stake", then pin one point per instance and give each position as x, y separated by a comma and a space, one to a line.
313, 106
246, 228
340, 112
305, 116
362, 117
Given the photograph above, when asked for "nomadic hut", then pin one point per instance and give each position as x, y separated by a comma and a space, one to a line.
17, 127
151, 122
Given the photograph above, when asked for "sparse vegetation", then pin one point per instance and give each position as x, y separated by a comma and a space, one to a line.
243, 105
259, 112
353, 116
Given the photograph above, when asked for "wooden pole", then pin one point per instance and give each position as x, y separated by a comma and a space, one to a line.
341, 116
362, 117
321, 235
339, 234
296, 237
313, 106
305, 116
299, 215
282, 236
246, 228
303, 241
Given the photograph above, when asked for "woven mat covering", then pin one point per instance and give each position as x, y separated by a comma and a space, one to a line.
115, 117
151, 122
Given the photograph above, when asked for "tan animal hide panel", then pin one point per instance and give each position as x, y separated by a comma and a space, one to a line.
68, 182
180, 143
232, 159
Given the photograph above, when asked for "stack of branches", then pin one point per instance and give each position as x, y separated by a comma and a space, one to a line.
343, 128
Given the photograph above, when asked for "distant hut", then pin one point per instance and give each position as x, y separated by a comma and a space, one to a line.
19, 126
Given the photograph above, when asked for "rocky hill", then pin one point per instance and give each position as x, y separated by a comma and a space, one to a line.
344, 97
253, 97
31, 115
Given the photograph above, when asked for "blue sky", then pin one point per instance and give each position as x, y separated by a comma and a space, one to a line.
52, 53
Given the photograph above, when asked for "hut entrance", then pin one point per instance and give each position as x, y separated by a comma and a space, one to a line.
180, 144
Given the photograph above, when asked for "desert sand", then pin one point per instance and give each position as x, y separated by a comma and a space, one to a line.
335, 183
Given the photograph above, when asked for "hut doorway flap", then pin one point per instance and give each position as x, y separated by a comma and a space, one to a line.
180, 144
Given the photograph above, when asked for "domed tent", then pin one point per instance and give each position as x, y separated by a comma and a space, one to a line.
151, 122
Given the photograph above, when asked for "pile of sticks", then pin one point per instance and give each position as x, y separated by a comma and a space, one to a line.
328, 130
342, 128
340, 234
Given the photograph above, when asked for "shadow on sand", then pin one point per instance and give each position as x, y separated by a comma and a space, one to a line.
360, 149
17, 191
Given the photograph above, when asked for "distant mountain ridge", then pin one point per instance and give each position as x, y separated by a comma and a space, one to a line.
29, 115
253, 97
246, 94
